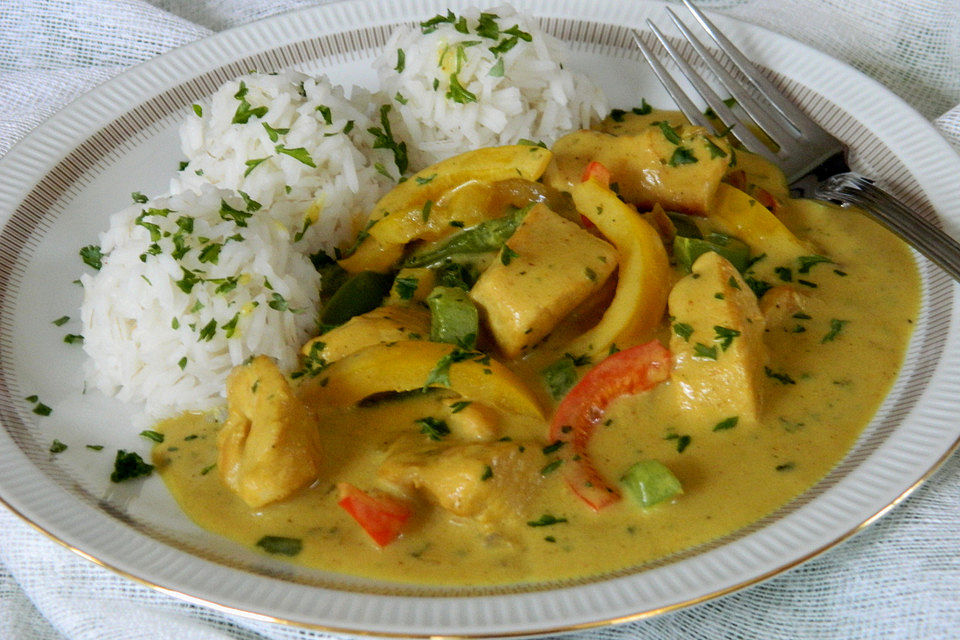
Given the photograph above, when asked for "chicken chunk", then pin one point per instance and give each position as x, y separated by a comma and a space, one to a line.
380, 326
269, 447
679, 168
548, 267
484, 481
717, 342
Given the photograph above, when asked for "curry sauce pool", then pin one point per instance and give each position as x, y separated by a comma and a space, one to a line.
829, 368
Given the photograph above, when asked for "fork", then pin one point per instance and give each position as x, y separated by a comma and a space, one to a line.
804, 148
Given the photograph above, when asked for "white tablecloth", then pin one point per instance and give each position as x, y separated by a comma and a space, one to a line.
898, 579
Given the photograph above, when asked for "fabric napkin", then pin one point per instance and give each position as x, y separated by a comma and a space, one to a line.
899, 579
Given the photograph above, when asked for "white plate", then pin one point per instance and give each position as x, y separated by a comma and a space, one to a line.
59, 185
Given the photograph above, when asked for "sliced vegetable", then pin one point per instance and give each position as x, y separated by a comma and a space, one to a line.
360, 293
739, 215
485, 237
687, 250
453, 317
398, 217
412, 365
649, 482
644, 272
381, 516
630, 371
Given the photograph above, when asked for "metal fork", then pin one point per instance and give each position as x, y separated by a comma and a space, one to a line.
803, 146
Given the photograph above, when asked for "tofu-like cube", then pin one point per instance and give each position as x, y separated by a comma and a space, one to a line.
548, 267
717, 343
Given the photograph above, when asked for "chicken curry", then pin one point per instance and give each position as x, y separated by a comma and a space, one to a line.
538, 364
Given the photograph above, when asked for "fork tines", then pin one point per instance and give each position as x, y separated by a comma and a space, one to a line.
774, 119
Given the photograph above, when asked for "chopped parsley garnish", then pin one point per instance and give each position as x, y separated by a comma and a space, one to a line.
496, 71
244, 110
197, 109
759, 287
149, 434
429, 26
507, 255
724, 336
682, 155
252, 164
551, 467
459, 406
836, 326
138, 197
57, 447
182, 363
62, 320
545, 521
807, 262
208, 331
401, 61
405, 287
229, 328
325, 113
73, 338
92, 256
683, 441
210, 253
425, 212
728, 423
458, 93
440, 374
701, 350
784, 273
553, 447
786, 466
298, 153
433, 428
683, 330
422, 180
278, 302
229, 213
95, 447
669, 132
715, 151
274, 134
129, 465
280, 545
782, 378
487, 473
383, 139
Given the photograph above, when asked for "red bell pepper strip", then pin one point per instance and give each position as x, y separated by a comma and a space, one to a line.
629, 371
598, 172
382, 517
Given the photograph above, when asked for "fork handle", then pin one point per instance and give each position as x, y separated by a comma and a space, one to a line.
932, 242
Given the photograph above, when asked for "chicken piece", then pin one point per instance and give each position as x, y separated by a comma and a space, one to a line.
471, 420
780, 303
380, 326
548, 267
678, 167
269, 447
717, 343
487, 482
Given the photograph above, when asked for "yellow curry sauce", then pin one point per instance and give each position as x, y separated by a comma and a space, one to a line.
827, 367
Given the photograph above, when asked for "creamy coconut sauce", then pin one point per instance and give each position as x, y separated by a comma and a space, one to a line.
730, 477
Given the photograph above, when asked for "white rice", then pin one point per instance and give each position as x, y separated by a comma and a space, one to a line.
152, 338
306, 116
536, 97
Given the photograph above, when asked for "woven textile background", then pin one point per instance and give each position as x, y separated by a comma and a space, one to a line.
898, 579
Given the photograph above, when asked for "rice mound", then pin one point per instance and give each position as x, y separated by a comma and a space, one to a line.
293, 138
190, 286
481, 79
282, 166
